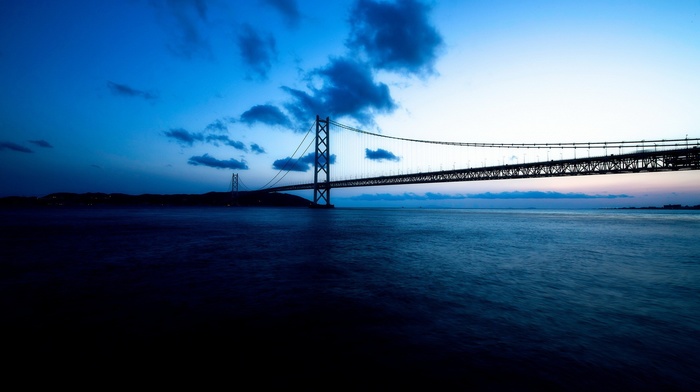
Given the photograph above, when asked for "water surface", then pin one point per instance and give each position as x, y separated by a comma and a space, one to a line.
486, 299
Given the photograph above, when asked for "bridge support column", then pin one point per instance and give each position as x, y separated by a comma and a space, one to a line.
322, 162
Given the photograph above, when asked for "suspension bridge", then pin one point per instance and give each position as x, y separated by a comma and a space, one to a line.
378, 159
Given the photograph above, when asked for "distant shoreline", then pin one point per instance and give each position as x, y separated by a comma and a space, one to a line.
214, 199
665, 207
220, 199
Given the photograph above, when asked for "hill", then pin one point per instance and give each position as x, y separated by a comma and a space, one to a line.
119, 199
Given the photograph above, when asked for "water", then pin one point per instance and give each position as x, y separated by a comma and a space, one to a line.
356, 298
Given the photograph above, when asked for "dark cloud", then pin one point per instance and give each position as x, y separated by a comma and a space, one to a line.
184, 21
14, 147
216, 139
304, 106
257, 52
288, 9
348, 90
266, 114
257, 149
289, 164
184, 137
207, 160
237, 145
302, 164
395, 36
311, 157
187, 138
126, 91
487, 195
380, 155
217, 126
41, 143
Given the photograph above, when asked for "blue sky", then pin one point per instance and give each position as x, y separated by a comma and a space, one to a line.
173, 96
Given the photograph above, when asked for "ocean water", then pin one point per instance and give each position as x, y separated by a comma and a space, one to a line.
571, 300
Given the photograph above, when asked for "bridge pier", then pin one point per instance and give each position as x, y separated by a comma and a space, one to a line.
322, 163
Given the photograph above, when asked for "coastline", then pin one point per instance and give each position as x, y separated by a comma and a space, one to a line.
216, 199
665, 207
213, 199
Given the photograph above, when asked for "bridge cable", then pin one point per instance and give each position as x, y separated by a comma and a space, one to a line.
295, 163
286, 163
240, 182
620, 144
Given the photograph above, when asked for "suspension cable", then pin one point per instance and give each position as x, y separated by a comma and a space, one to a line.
240, 182
295, 163
620, 144
286, 163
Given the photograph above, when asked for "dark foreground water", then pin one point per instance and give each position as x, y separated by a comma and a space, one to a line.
352, 298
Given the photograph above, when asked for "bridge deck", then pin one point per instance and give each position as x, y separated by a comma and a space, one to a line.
642, 161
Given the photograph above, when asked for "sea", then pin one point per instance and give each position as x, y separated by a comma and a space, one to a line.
248, 298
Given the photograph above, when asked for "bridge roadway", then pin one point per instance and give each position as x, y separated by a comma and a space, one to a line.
637, 162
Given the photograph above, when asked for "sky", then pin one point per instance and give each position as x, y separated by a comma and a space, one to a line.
175, 96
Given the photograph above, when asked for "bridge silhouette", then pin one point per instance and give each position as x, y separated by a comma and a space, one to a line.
632, 157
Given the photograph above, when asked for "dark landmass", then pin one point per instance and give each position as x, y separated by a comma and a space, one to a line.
665, 207
222, 199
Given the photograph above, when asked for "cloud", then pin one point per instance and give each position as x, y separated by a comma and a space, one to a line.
215, 139
257, 149
257, 52
14, 147
389, 36
288, 9
302, 164
348, 89
380, 155
207, 160
311, 157
184, 137
266, 114
395, 36
41, 143
290, 165
303, 106
486, 195
217, 126
187, 138
237, 145
126, 91
184, 20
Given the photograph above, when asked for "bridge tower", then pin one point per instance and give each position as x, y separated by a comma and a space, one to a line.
234, 186
322, 162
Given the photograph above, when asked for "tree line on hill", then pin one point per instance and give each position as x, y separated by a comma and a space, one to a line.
121, 199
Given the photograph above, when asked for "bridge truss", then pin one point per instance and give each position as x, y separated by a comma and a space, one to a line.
640, 162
